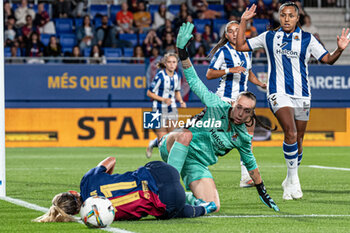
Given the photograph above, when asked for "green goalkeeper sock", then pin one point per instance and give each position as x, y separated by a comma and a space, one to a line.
177, 155
190, 198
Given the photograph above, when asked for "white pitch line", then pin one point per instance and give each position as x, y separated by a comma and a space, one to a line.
329, 168
43, 209
280, 216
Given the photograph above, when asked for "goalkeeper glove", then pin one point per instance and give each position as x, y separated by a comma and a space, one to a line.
183, 38
265, 198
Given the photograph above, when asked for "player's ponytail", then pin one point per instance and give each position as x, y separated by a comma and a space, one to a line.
255, 119
223, 40
64, 205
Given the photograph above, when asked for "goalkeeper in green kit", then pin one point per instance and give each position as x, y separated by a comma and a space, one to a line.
219, 129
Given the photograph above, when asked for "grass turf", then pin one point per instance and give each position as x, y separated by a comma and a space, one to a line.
35, 175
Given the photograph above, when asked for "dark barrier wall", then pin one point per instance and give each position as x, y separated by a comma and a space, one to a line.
123, 85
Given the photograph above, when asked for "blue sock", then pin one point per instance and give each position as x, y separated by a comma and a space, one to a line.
190, 211
300, 157
291, 157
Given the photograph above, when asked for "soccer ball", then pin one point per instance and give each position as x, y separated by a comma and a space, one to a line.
97, 212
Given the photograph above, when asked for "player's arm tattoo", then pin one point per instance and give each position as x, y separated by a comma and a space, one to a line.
186, 63
255, 175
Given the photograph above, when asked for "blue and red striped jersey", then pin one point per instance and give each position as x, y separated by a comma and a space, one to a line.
133, 194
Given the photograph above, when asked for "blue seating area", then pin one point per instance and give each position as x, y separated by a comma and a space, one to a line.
200, 24
64, 26
261, 25
67, 41
129, 37
7, 52
45, 38
112, 53
98, 10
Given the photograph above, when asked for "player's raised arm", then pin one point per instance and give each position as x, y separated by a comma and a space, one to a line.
342, 41
197, 86
108, 163
241, 44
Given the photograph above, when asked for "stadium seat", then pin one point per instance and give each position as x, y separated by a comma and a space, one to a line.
64, 25
67, 50
142, 37
45, 38
129, 37
128, 52
86, 52
200, 24
261, 25
98, 9
112, 53
219, 8
251, 2
174, 9
7, 52
78, 22
153, 9
67, 40
217, 24
267, 2
113, 10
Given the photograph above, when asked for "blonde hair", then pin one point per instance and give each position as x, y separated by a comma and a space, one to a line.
162, 63
64, 205
223, 39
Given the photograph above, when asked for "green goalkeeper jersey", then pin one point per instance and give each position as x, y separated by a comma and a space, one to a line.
216, 139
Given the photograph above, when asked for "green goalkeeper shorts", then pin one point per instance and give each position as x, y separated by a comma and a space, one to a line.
192, 169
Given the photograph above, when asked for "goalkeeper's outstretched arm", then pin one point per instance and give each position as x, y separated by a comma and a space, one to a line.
197, 86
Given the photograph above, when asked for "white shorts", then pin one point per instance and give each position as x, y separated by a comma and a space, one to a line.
301, 106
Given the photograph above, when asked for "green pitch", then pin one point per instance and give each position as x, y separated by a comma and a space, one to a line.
35, 175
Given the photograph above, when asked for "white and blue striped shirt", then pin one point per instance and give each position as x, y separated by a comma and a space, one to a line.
165, 86
233, 83
288, 55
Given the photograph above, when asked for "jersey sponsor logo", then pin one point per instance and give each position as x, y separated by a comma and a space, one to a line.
287, 53
217, 139
145, 189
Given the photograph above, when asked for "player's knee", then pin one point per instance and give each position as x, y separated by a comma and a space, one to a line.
184, 137
290, 136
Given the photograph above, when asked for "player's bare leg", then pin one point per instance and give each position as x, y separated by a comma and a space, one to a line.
301, 127
205, 189
291, 185
154, 143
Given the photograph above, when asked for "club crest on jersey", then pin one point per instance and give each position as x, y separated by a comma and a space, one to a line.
296, 37
234, 137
